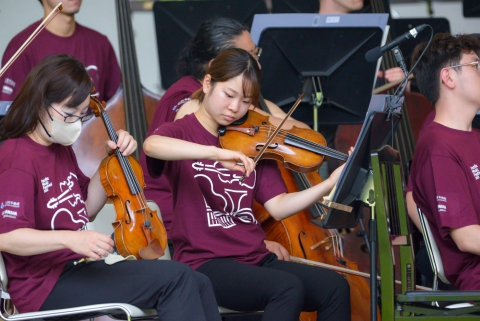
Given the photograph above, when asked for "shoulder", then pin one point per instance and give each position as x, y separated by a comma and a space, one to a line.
88, 31
92, 37
16, 154
185, 85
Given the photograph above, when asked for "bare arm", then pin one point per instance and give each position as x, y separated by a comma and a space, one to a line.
168, 148
467, 238
285, 205
27, 242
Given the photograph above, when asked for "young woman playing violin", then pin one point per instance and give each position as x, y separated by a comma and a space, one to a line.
46, 202
213, 36
213, 229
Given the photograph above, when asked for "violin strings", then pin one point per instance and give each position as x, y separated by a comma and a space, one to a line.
323, 150
124, 163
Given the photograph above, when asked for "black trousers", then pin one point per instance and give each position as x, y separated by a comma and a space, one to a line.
172, 288
281, 289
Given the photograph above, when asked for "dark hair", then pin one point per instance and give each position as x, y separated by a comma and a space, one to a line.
230, 64
213, 36
52, 80
445, 50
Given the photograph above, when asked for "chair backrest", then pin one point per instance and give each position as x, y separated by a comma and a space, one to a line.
393, 227
3, 274
106, 216
432, 249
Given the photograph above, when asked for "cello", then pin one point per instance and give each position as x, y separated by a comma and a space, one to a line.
131, 107
301, 238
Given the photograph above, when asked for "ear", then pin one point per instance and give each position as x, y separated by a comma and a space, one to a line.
207, 83
448, 77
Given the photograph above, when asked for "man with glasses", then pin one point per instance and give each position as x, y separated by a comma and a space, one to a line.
445, 172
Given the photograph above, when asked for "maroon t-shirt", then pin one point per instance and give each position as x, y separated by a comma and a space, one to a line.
42, 188
87, 45
425, 124
213, 215
445, 177
157, 188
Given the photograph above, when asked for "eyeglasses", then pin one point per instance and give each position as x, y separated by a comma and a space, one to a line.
258, 52
74, 118
474, 64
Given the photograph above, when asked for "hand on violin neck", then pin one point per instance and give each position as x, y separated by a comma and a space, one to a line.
125, 143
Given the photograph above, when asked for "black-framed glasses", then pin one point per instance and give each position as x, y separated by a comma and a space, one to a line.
474, 64
73, 118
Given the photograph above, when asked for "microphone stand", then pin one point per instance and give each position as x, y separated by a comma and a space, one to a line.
393, 102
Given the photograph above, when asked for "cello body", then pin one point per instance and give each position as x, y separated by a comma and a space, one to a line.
298, 235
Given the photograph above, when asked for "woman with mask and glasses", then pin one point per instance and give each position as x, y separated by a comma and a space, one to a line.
46, 202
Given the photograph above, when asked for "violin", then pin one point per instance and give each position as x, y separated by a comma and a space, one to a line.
299, 149
138, 230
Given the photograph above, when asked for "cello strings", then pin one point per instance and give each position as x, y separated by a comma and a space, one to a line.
337, 241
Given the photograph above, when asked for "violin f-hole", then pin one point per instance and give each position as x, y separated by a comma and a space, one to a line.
260, 146
127, 206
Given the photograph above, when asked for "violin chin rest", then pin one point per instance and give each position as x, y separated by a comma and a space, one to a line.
153, 251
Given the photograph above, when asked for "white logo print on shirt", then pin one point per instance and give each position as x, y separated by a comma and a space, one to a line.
46, 184
224, 218
72, 199
475, 171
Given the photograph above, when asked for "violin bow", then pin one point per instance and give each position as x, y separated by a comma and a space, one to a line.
345, 270
42, 25
274, 134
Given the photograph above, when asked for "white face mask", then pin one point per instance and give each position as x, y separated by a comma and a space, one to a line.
64, 133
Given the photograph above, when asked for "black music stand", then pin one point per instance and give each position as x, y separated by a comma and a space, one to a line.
355, 189
295, 6
471, 8
346, 202
312, 54
176, 22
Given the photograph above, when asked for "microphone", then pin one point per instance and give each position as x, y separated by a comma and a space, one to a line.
377, 52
